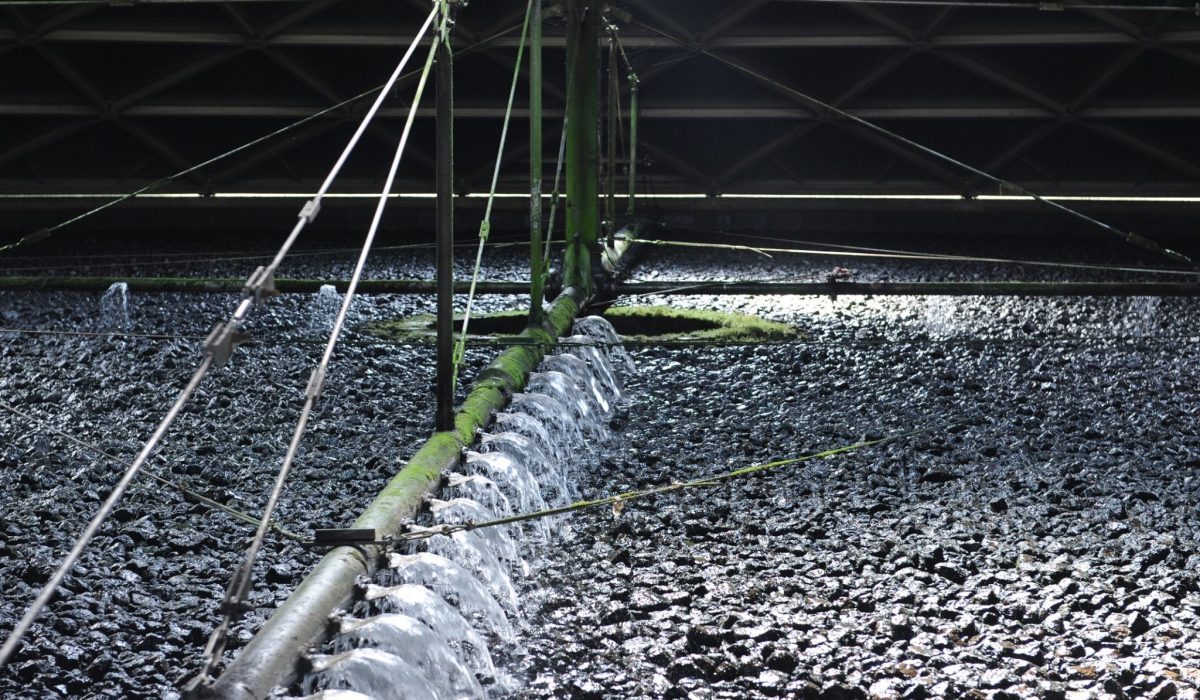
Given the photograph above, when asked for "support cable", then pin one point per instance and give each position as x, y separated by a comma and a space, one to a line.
631, 166
239, 257
239, 586
180, 488
618, 501
613, 119
886, 254
96, 334
1005, 185
1043, 5
556, 197
485, 226
218, 347
860, 343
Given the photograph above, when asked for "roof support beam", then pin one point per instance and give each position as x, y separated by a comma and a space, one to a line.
47, 138
1148, 150
947, 112
680, 166
956, 181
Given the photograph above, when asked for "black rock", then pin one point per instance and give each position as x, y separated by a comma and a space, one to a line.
1138, 624
782, 661
937, 476
702, 637
951, 572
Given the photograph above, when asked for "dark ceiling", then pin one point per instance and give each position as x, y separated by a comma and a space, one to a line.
97, 98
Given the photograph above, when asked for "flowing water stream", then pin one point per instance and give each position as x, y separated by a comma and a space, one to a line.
431, 624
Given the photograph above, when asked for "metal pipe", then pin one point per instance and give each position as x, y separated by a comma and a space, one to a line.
610, 179
631, 212
583, 59
536, 277
272, 658
445, 230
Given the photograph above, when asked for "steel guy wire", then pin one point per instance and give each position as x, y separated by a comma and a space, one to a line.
500, 341
617, 501
1128, 236
1043, 5
239, 585
485, 226
954, 257
313, 207
240, 256
218, 346
850, 251
856, 342
558, 168
879, 253
187, 492
94, 334
247, 254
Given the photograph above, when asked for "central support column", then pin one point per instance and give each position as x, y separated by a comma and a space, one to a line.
536, 273
583, 143
445, 232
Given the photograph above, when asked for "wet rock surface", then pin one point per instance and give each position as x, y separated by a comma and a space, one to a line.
1044, 546
133, 618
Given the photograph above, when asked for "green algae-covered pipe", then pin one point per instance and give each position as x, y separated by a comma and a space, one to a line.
272, 657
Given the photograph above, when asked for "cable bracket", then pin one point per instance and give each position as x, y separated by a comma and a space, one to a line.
315, 383
261, 285
310, 210
222, 340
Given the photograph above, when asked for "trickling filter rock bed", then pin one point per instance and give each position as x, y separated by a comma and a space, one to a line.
1046, 547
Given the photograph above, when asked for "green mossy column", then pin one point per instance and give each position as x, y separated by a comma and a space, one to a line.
537, 280
582, 159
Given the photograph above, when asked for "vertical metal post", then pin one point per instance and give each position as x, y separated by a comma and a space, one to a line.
614, 115
536, 274
631, 211
583, 110
445, 228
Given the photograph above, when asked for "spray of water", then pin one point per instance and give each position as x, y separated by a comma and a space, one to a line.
429, 625
114, 309
323, 309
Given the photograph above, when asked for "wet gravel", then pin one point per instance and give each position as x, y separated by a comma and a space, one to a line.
1046, 546
133, 618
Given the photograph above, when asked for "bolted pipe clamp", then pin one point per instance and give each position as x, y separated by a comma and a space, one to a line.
222, 340
260, 285
310, 210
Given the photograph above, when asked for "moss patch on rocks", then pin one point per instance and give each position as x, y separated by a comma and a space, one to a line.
635, 324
